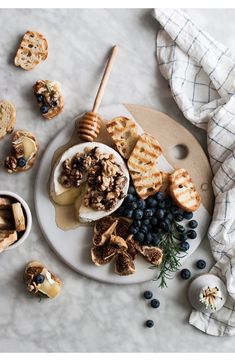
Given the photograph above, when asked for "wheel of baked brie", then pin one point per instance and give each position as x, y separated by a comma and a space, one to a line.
93, 176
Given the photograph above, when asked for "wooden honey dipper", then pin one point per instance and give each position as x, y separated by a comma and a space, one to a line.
89, 124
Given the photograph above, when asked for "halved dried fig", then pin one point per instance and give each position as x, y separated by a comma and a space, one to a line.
101, 255
124, 265
153, 255
103, 230
131, 244
118, 243
122, 228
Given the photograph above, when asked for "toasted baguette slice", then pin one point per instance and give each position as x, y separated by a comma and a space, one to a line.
183, 190
19, 217
7, 118
147, 183
124, 134
33, 49
6, 239
145, 154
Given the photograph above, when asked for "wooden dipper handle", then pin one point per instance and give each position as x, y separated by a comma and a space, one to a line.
104, 79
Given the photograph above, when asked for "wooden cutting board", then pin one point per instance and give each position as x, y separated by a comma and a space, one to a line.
171, 134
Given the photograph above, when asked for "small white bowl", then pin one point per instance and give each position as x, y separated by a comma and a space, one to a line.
28, 218
202, 281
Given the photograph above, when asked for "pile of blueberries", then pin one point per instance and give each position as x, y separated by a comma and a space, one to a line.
155, 216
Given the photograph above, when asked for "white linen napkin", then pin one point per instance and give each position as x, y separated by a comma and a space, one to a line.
201, 75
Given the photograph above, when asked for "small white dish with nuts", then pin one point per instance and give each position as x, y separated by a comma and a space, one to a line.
15, 220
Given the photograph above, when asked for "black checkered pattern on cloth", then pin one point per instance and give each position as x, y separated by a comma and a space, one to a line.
201, 75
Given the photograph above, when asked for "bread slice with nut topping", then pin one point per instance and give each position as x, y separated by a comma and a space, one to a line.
183, 190
124, 134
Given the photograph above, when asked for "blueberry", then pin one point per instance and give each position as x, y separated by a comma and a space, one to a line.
131, 190
168, 203
155, 239
161, 204
151, 202
131, 206
159, 196
128, 213
160, 213
149, 323
146, 222
139, 236
138, 214
129, 198
40, 98
148, 213
192, 234
188, 215
134, 230
154, 221
201, 264
164, 226
39, 279
183, 237
178, 218
180, 228
175, 210
185, 274
44, 109
21, 162
155, 303
137, 223
184, 246
148, 295
148, 238
141, 204
193, 224
144, 229
169, 216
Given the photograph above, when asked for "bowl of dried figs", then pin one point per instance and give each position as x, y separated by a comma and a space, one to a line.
15, 220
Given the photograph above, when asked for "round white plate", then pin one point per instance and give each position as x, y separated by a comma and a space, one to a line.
73, 246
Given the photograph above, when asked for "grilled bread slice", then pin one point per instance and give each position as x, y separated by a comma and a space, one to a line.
124, 134
33, 49
7, 118
147, 183
183, 190
145, 154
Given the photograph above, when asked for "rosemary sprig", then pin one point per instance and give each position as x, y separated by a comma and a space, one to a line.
169, 244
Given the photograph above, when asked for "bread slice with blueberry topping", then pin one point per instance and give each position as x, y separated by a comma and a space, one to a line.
23, 152
49, 97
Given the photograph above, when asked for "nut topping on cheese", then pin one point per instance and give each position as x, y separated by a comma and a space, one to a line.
105, 178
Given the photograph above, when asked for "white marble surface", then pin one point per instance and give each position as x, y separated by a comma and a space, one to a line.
91, 316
